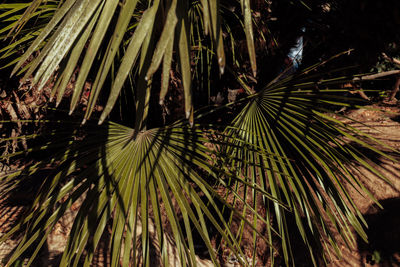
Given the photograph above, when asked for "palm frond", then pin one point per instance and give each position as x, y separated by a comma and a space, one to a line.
123, 176
75, 36
317, 153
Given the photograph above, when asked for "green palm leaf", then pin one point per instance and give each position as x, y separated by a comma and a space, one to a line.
121, 179
63, 40
291, 119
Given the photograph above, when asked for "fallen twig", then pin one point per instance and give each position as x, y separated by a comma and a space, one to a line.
375, 76
391, 59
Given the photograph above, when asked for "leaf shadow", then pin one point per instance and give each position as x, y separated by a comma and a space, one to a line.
383, 233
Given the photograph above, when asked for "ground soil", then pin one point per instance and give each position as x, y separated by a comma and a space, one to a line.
380, 121
383, 123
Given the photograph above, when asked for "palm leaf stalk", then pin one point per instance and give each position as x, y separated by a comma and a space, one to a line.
283, 147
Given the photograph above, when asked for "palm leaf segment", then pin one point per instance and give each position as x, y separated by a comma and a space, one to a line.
80, 27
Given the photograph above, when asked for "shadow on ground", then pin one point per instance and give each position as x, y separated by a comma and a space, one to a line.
383, 233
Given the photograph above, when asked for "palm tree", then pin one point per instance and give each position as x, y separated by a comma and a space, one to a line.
280, 151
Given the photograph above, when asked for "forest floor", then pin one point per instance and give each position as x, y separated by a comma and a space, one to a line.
381, 122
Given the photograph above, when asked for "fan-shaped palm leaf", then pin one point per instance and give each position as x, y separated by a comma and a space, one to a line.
123, 176
292, 119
